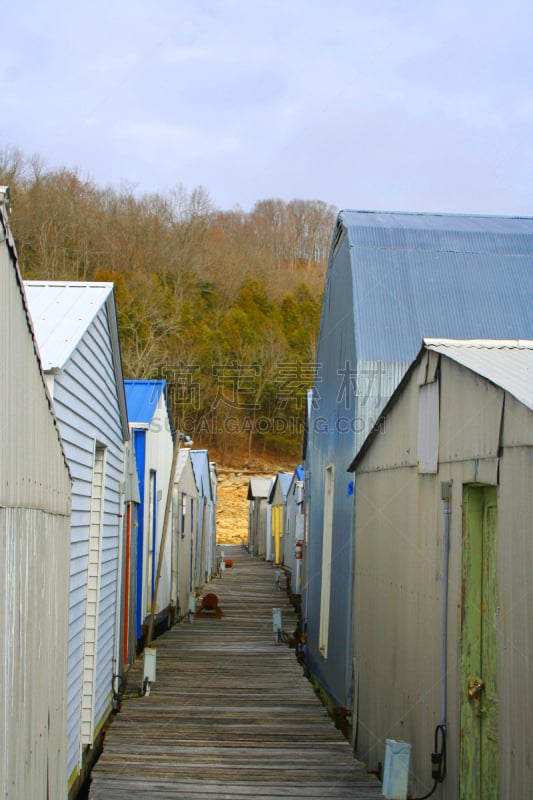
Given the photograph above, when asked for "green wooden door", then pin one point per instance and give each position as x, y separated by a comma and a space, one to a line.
479, 695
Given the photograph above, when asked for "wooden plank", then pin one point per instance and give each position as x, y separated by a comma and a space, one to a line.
231, 714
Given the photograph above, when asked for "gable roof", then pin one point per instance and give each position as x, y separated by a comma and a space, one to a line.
259, 488
142, 398
298, 476
439, 275
284, 480
506, 364
181, 463
61, 312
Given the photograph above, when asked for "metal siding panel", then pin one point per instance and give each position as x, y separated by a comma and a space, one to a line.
35, 505
397, 612
471, 428
518, 424
34, 554
33, 471
515, 566
398, 560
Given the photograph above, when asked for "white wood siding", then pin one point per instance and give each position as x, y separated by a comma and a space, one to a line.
86, 404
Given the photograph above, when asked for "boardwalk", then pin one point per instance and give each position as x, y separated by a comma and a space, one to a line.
231, 715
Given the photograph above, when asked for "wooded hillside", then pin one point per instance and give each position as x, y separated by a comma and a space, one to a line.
224, 305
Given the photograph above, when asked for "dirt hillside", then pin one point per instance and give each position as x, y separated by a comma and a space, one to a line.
232, 506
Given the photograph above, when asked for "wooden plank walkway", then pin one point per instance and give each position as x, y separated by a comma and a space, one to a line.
230, 715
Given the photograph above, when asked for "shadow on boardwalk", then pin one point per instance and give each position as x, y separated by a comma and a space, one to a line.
230, 715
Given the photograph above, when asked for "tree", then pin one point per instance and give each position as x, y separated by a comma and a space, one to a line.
224, 304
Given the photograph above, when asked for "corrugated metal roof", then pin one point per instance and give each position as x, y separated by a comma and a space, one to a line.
414, 222
142, 398
507, 364
437, 275
61, 313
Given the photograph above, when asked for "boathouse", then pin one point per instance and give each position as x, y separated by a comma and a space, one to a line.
35, 515
392, 279
259, 543
205, 562
184, 535
151, 426
295, 529
443, 558
277, 499
77, 334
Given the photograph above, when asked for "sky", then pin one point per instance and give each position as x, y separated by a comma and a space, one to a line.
384, 105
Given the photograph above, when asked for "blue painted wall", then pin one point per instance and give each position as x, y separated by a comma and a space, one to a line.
139, 438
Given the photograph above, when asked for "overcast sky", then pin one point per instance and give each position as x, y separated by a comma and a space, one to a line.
382, 105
